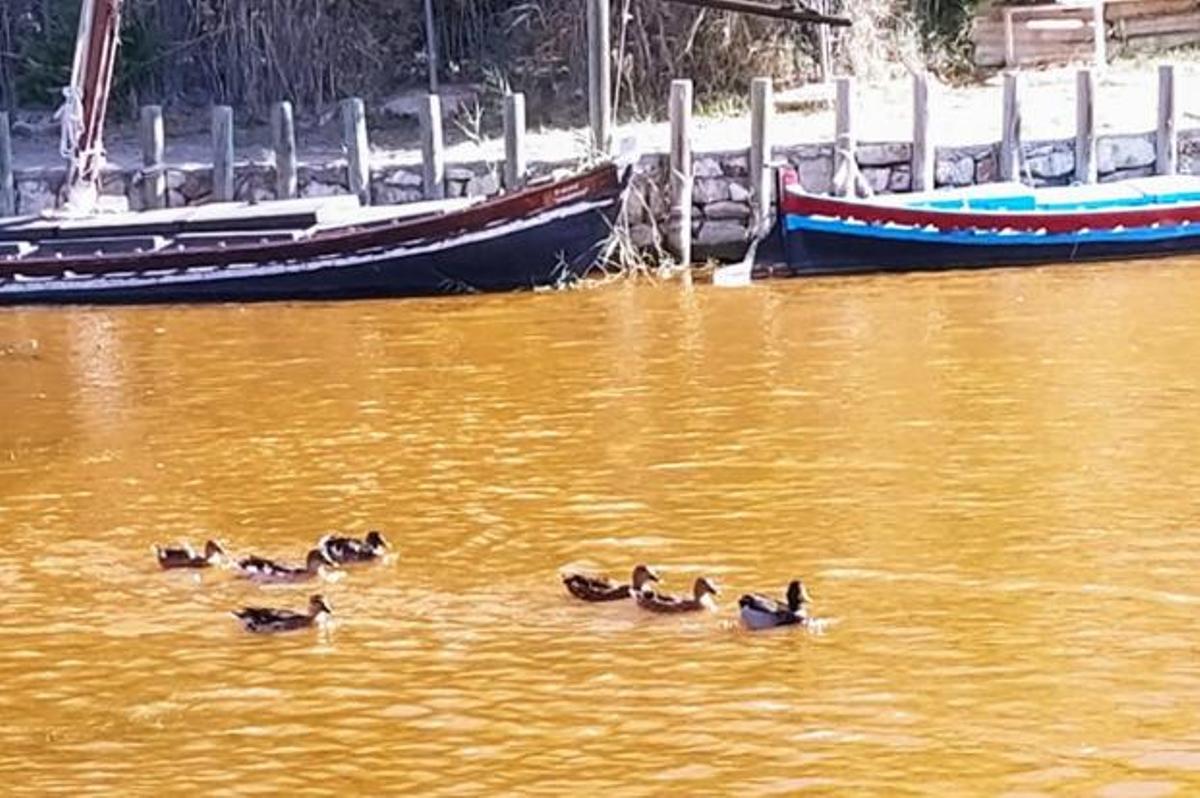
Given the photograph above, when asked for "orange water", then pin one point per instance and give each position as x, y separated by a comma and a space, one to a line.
989, 482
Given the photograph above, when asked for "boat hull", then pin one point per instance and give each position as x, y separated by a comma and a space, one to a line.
825, 235
511, 245
810, 249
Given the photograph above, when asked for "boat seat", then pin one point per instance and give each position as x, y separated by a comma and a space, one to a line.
106, 246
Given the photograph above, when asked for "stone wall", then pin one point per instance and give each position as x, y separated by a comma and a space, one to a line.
721, 190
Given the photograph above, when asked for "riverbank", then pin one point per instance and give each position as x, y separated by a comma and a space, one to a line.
967, 115
965, 123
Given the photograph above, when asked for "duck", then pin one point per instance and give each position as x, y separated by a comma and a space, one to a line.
601, 588
260, 569
761, 612
266, 620
186, 557
702, 592
343, 550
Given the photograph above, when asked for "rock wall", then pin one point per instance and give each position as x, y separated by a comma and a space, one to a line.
721, 190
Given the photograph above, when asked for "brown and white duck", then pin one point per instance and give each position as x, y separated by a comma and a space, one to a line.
268, 620
588, 587
186, 557
260, 569
346, 550
761, 612
702, 599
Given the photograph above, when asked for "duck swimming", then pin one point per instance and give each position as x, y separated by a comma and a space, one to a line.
343, 550
268, 620
760, 612
601, 588
260, 569
702, 592
186, 557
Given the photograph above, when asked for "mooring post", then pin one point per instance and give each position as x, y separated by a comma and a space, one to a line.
1010, 133
762, 105
283, 139
924, 157
431, 48
824, 49
679, 227
599, 82
1167, 144
514, 141
1099, 34
154, 175
358, 151
222, 140
8, 189
434, 166
844, 164
1086, 164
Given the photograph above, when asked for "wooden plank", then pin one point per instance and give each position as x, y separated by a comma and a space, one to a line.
762, 106
1167, 134
8, 188
433, 160
1010, 131
283, 138
599, 74
358, 150
154, 169
514, 141
679, 224
924, 157
222, 140
1085, 127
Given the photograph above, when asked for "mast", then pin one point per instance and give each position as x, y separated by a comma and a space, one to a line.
85, 102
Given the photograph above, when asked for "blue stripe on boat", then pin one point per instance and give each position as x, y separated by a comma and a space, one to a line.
987, 238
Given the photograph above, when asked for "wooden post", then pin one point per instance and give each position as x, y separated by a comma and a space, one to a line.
154, 176
762, 104
1099, 34
1010, 45
824, 51
844, 165
434, 170
679, 226
8, 189
222, 139
599, 82
283, 138
431, 49
1085, 127
514, 141
1167, 144
1010, 133
358, 151
924, 157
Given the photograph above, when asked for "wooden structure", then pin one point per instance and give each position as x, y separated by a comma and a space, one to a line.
1057, 31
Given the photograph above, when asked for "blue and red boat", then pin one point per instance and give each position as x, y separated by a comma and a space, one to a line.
999, 224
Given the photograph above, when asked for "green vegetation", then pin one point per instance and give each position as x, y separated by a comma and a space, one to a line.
252, 52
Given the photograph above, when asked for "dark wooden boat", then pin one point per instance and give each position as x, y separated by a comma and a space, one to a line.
303, 249
992, 225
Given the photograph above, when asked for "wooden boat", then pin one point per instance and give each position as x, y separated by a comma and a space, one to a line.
1003, 224
304, 249
295, 249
